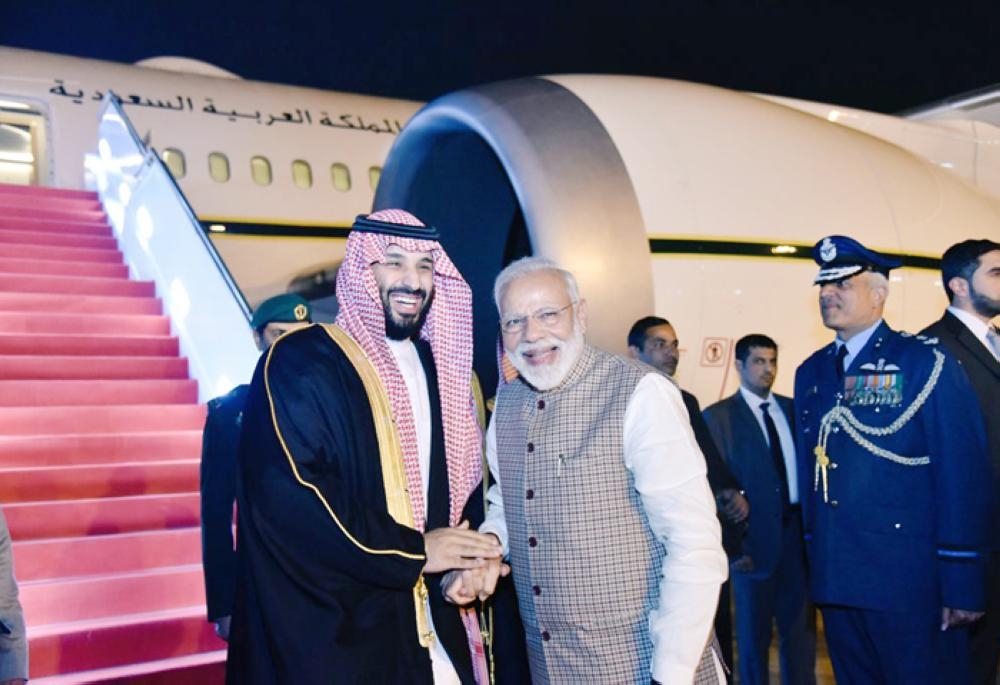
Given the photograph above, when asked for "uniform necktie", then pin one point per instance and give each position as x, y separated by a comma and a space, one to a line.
776, 453
993, 338
841, 355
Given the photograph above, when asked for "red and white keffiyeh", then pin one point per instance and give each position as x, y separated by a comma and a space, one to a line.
448, 329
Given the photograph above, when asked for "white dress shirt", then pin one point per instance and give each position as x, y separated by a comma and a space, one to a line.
783, 426
408, 361
669, 473
976, 326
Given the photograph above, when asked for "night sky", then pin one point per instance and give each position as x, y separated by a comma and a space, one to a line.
880, 56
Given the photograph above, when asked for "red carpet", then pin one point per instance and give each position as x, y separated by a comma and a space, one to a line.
100, 436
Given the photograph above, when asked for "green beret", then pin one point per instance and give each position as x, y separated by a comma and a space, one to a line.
286, 308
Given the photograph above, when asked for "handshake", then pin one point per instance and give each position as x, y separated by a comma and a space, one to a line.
473, 562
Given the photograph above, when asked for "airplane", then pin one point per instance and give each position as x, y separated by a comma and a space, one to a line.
693, 202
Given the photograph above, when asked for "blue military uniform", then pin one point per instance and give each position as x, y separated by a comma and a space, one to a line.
895, 488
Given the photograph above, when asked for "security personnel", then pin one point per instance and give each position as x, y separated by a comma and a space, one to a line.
895, 484
219, 452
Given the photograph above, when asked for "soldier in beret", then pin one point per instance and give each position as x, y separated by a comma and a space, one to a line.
895, 484
219, 449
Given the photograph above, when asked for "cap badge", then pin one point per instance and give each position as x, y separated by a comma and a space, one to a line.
827, 250
301, 312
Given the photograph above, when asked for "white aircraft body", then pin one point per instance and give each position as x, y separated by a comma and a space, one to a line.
692, 202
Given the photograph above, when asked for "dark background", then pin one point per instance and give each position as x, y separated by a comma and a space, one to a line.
874, 55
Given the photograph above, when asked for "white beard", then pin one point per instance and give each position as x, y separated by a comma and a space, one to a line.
548, 376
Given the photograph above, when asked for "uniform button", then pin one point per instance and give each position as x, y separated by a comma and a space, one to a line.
897, 526
531, 447
834, 503
541, 404
532, 542
530, 494
546, 636
536, 589
833, 464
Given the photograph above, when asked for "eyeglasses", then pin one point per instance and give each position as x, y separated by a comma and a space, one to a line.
547, 317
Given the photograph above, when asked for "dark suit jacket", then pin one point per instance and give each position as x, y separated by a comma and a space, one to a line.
735, 430
983, 371
719, 476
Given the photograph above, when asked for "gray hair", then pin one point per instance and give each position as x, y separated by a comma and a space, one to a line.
528, 265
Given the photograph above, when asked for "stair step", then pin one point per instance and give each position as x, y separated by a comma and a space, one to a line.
99, 228
98, 448
41, 212
62, 268
91, 345
47, 304
36, 484
75, 285
203, 668
69, 323
75, 367
51, 252
104, 516
87, 645
46, 192
15, 199
85, 598
63, 204
100, 419
47, 238
35, 393
101, 554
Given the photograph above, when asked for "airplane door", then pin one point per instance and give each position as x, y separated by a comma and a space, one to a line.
23, 149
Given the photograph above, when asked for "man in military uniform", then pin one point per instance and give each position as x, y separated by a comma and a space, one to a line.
895, 484
219, 449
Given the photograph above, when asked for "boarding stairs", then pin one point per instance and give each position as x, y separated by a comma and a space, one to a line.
100, 435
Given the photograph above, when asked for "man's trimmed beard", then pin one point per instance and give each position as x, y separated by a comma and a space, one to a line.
984, 306
548, 376
404, 328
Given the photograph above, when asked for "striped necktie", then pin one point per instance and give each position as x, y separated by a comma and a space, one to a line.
993, 338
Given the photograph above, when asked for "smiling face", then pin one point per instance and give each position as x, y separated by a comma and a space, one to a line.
542, 328
853, 304
406, 282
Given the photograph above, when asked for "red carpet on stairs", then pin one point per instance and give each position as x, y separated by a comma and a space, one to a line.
100, 436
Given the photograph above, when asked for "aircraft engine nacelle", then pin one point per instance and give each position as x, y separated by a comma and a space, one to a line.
695, 203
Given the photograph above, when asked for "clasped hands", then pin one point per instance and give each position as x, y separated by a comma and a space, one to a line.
473, 562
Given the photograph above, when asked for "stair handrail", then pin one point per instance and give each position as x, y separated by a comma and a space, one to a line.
208, 311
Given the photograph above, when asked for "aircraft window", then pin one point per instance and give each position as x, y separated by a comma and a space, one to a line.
260, 169
174, 159
374, 173
341, 177
218, 167
302, 175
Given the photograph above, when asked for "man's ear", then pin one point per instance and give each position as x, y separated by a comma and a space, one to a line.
959, 286
257, 340
581, 314
738, 364
633, 352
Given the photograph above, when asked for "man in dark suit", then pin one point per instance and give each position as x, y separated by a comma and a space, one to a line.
754, 430
970, 273
652, 340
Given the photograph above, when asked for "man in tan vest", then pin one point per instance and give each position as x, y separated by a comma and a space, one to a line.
607, 515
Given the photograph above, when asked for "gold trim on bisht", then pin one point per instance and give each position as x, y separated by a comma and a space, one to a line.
397, 496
